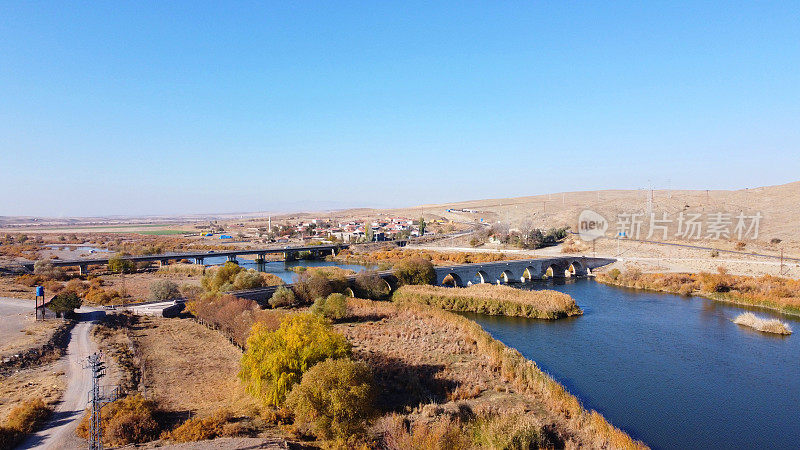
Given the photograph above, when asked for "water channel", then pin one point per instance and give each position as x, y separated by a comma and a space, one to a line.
672, 371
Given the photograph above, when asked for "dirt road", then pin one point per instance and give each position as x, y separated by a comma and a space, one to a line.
59, 432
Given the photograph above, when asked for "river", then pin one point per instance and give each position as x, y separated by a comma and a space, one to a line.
283, 269
672, 371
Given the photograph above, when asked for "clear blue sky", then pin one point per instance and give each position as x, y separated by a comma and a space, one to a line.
195, 107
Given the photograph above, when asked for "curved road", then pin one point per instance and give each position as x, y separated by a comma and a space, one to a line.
59, 431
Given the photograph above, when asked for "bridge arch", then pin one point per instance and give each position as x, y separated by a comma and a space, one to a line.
575, 269
507, 277
348, 291
483, 277
553, 271
452, 280
527, 274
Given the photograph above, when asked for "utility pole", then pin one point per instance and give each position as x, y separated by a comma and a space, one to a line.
98, 369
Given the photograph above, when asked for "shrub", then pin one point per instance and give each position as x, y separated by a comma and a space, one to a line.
202, 428
248, 279
312, 285
64, 303
513, 431
191, 290
276, 360
415, 270
162, 290
30, 280
76, 285
118, 265
217, 279
45, 269
333, 307
53, 286
282, 298
128, 420
369, 284
233, 316
444, 433
334, 399
28, 416
614, 273
100, 296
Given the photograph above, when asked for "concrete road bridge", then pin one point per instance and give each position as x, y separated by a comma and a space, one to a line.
198, 257
462, 275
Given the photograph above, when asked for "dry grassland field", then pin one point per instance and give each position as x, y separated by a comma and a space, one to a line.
190, 368
43, 382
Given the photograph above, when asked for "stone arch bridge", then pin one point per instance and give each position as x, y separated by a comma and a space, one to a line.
517, 271
501, 272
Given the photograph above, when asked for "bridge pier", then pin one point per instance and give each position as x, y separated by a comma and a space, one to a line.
163, 262
83, 269
198, 260
232, 258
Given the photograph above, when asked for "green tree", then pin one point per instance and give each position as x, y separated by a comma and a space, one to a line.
333, 307
221, 279
422, 226
334, 399
276, 360
65, 303
415, 270
117, 264
282, 297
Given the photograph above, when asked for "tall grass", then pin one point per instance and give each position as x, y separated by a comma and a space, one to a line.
768, 291
761, 324
527, 378
493, 300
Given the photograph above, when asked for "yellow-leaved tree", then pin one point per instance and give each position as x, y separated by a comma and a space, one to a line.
276, 360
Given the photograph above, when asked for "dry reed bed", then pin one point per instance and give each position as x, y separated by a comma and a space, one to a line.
394, 255
767, 291
493, 300
774, 326
422, 352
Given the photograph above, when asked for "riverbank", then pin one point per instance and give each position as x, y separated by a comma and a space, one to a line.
442, 374
769, 292
493, 300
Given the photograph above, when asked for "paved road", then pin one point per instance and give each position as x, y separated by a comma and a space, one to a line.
59, 432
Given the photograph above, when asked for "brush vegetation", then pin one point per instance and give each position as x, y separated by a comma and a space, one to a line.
23, 419
493, 300
761, 324
767, 291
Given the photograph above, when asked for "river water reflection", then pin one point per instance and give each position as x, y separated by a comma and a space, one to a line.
672, 371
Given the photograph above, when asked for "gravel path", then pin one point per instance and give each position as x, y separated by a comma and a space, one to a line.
59, 431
